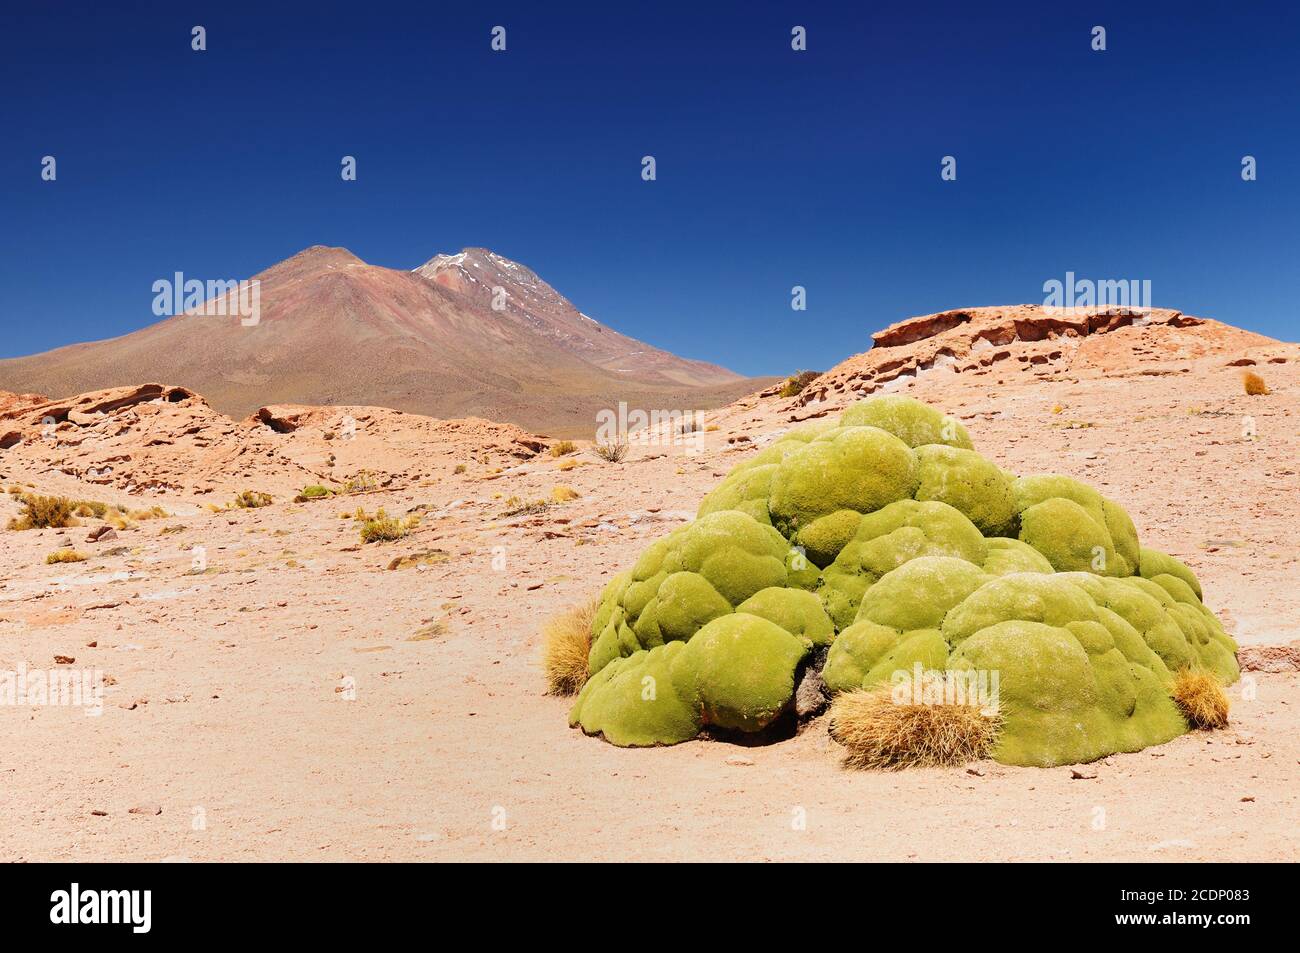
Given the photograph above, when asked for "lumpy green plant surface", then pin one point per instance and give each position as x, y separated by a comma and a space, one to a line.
885, 544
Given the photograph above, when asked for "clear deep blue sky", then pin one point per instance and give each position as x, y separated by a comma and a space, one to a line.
775, 168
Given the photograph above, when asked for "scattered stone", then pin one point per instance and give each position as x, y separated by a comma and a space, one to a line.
63, 660
736, 761
1083, 774
150, 809
810, 697
1270, 658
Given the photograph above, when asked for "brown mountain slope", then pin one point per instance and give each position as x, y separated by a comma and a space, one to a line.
535, 306
335, 330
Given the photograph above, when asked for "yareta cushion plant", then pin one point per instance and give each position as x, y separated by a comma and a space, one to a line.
883, 543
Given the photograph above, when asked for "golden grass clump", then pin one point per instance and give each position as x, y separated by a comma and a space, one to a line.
563, 447
795, 383
251, 500
158, 513
566, 643
563, 494
1200, 698
64, 556
877, 732
1254, 384
43, 512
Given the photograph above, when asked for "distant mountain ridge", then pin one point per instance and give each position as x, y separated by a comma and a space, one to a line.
466, 334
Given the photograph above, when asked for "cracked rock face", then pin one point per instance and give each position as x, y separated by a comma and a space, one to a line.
886, 542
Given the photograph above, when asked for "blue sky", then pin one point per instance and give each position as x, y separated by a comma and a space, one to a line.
775, 168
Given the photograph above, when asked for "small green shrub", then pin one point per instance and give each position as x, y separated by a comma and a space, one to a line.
382, 528
314, 492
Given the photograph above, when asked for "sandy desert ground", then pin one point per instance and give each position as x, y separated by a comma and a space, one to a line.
297, 698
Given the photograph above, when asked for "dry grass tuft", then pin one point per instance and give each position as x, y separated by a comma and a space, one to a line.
878, 733
64, 556
563, 447
612, 452
515, 506
795, 383
45, 512
382, 528
563, 494
155, 513
1254, 384
1200, 698
566, 643
251, 500
427, 633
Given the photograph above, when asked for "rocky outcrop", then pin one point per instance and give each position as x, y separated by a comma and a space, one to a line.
151, 438
11, 402
343, 424
1033, 341
161, 439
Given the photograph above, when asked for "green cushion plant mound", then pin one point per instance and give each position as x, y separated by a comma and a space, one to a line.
880, 547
